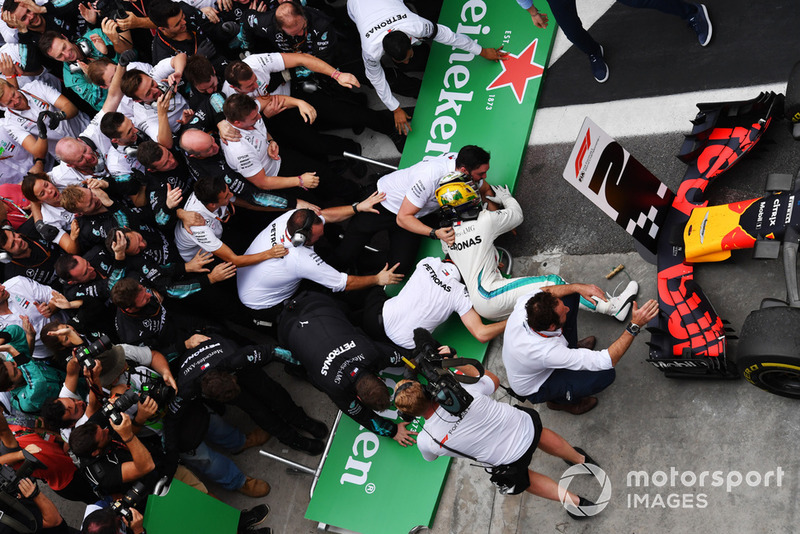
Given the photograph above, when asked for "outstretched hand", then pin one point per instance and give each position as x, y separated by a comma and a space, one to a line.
645, 314
494, 54
387, 276
404, 436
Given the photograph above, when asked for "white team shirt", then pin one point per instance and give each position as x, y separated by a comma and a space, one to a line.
59, 218
145, 116
22, 293
270, 282
249, 155
417, 183
202, 237
531, 357
434, 291
263, 66
376, 18
41, 97
490, 431
63, 175
120, 163
15, 161
15, 51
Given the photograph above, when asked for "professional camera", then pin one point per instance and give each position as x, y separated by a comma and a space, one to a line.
442, 385
113, 410
113, 9
135, 496
153, 387
158, 390
9, 477
88, 352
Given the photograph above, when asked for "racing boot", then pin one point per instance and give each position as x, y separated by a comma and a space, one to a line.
618, 306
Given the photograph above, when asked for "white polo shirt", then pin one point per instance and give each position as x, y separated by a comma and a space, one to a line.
205, 237
433, 292
263, 65
41, 97
530, 357
417, 183
15, 161
249, 155
270, 282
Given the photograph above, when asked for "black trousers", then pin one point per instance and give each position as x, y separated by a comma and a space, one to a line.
268, 404
362, 227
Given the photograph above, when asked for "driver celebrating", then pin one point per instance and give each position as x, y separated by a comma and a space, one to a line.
473, 252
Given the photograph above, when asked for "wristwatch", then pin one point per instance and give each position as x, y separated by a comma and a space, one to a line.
432, 235
633, 329
355, 207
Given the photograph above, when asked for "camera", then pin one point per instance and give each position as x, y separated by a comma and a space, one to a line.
441, 384
88, 352
135, 496
113, 410
153, 388
113, 9
9, 477
158, 390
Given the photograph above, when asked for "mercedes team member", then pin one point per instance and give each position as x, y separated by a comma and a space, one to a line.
377, 19
473, 252
341, 361
434, 292
265, 286
409, 198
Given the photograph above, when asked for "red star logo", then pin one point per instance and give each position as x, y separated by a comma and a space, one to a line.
517, 70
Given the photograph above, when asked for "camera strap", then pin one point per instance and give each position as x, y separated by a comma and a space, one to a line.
10, 503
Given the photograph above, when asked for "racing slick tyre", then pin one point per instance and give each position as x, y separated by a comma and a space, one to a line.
768, 354
791, 105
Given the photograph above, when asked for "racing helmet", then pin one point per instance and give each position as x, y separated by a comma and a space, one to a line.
457, 197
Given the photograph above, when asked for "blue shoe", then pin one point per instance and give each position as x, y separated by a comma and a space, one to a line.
599, 68
701, 24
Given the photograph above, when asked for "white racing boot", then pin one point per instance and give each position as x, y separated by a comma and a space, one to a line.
620, 305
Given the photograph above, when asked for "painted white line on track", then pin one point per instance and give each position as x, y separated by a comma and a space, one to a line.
634, 117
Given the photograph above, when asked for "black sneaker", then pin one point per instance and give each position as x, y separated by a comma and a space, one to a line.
252, 517
588, 459
314, 447
583, 502
599, 67
313, 427
701, 24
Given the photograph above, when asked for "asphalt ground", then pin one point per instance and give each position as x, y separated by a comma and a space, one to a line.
644, 422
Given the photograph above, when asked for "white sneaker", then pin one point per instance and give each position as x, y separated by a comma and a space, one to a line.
618, 306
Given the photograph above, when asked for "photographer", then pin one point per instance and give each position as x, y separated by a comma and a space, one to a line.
56, 468
112, 465
341, 361
33, 512
498, 435
105, 521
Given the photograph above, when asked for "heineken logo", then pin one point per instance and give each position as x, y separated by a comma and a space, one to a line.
517, 70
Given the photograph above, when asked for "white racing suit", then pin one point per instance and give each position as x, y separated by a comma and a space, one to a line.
473, 252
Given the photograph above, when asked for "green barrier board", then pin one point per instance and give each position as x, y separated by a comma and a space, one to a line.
185, 509
372, 485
